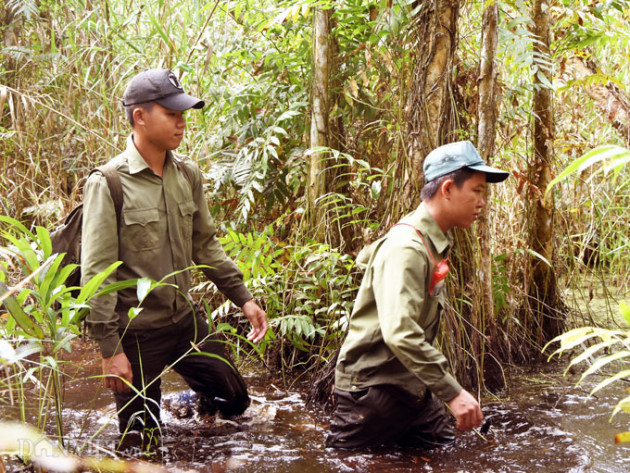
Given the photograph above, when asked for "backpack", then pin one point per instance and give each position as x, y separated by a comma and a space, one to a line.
67, 238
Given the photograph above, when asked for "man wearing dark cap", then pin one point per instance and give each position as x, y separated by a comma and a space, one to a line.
390, 381
164, 227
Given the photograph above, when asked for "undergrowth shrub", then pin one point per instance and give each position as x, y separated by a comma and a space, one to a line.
40, 317
307, 290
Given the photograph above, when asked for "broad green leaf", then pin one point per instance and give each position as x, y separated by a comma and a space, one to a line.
134, 312
624, 308
614, 166
535, 254
543, 79
93, 285
80, 312
279, 18
225, 327
144, 287
623, 405
600, 363
610, 380
590, 351
64, 343
21, 228
44, 241
288, 114
237, 10
64, 273
51, 361
24, 252
601, 153
117, 286
20, 317
295, 13
7, 352
47, 277
578, 336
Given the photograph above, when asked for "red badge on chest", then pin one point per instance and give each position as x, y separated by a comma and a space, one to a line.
439, 274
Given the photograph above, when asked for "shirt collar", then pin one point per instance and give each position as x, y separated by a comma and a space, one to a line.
135, 160
423, 221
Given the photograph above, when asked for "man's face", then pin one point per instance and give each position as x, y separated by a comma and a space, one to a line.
164, 128
466, 203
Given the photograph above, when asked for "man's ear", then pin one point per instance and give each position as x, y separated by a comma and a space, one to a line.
446, 187
138, 115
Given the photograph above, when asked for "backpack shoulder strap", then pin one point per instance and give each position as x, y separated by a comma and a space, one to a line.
421, 238
184, 170
115, 187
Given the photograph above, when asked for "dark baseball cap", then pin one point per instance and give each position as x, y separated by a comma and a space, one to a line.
454, 156
160, 86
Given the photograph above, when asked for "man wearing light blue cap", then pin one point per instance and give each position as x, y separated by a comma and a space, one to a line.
391, 383
455, 156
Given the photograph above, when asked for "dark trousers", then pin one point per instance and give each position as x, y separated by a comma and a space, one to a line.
385, 415
208, 372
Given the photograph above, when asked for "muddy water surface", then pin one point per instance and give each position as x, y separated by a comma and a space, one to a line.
544, 425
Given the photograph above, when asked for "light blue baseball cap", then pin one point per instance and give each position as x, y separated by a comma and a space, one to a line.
454, 156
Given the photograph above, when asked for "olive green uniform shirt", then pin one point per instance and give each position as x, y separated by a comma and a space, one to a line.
395, 319
165, 227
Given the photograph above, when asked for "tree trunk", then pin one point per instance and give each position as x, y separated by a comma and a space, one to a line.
609, 99
429, 110
341, 233
488, 81
544, 303
483, 316
319, 121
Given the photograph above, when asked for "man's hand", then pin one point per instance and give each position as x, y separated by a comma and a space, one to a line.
258, 319
115, 368
466, 410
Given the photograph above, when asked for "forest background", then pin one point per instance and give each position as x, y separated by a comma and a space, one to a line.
318, 117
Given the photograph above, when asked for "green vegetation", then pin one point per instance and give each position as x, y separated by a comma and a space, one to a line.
613, 348
44, 317
603, 350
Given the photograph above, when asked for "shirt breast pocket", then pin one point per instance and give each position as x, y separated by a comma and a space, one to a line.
142, 228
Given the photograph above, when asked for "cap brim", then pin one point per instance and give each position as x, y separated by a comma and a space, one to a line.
180, 102
493, 175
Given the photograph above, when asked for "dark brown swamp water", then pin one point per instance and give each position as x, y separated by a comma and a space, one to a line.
544, 425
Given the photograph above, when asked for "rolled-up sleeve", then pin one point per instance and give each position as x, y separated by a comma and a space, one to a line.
399, 290
207, 250
99, 249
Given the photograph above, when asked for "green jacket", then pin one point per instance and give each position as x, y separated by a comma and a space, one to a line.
395, 319
165, 227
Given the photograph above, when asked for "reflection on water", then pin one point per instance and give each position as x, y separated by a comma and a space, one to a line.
546, 425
